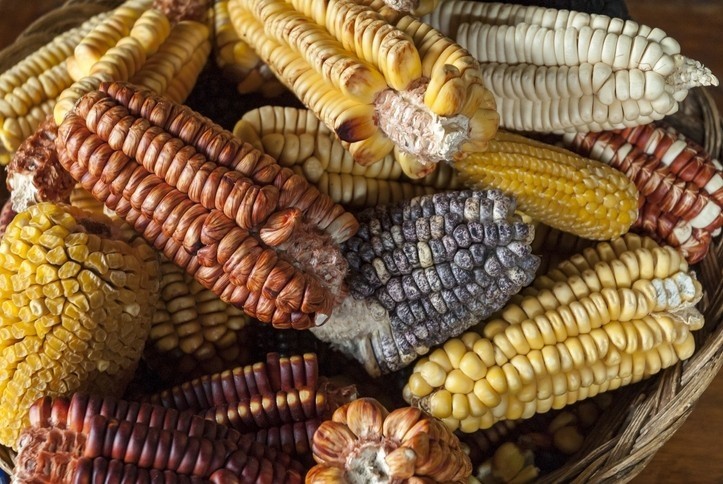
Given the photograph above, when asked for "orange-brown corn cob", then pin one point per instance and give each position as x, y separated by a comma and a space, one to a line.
248, 229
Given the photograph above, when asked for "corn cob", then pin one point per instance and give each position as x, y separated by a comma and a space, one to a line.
364, 75
298, 140
608, 317
681, 186
28, 89
236, 58
279, 403
7, 214
193, 332
34, 174
554, 186
76, 308
142, 45
76, 441
363, 442
236, 231
427, 270
566, 71
509, 464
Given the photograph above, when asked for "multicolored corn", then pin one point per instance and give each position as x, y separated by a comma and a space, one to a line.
605, 318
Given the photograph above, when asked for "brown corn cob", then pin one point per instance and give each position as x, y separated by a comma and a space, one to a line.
363, 442
7, 214
215, 206
681, 186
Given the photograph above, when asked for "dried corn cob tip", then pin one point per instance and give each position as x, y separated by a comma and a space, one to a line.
426, 270
377, 79
610, 316
681, 186
567, 71
555, 186
35, 174
363, 442
509, 464
312, 150
253, 232
193, 332
179, 10
77, 305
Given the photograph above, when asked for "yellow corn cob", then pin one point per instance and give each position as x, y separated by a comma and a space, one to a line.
297, 140
554, 186
29, 88
193, 331
163, 57
610, 316
237, 59
76, 308
363, 73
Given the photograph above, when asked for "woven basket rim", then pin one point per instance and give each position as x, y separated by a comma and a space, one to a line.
647, 414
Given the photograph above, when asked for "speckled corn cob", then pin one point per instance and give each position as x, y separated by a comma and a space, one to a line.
162, 48
425, 271
370, 78
681, 186
554, 186
139, 443
566, 71
28, 89
313, 151
363, 442
77, 308
253, 232
608, 317
237, 59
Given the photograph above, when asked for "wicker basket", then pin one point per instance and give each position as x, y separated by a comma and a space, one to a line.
643, 416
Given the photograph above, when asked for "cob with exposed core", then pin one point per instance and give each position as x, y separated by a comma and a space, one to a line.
379, 81
363, 442
76, 306
297, 139
223, 211
566, 71
605, 318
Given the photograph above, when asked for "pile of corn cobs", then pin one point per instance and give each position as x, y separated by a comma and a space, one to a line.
146, 246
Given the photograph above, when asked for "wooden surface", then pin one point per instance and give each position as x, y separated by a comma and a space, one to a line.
695, 453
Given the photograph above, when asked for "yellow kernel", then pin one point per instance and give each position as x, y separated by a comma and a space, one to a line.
89, 282
484, 349
486, 394
97, 262
455, 350
69, 270
50, 240
52, 290
568, 440
57, 256
78, 253
70, 286
418, 386
55, 306
440, 404
439, 356
458, 382
35, 254
432, 373
76, 238
460, 406
472, 366
80, 301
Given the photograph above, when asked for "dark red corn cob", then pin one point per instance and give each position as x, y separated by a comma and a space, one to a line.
239, 384
229, 215
131, 450
680, 184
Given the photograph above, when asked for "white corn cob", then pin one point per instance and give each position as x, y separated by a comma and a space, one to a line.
565, 71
